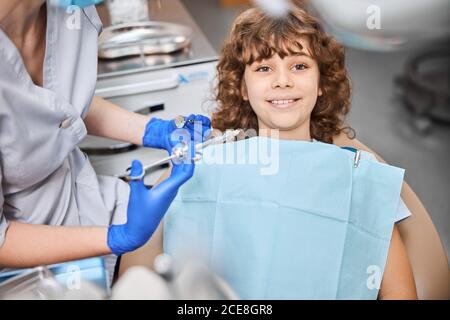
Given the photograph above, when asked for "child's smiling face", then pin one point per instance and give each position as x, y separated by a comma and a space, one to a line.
283, 92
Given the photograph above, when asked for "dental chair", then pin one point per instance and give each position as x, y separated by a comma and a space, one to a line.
426, 253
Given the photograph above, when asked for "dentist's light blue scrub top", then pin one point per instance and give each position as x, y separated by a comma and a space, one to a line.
44, 177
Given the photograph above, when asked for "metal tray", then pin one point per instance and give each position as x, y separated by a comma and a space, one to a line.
51, 282
137, 38
35, 283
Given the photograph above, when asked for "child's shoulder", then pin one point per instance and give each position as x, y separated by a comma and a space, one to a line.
342, 140
366, 153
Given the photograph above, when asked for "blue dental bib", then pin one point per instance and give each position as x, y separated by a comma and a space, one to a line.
317, 227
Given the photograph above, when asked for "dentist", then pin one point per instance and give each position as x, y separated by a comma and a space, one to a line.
53, 207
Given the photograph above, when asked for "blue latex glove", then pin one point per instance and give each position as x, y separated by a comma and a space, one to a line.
163, 134
146, 207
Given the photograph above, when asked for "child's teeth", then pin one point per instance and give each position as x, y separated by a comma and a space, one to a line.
282, 101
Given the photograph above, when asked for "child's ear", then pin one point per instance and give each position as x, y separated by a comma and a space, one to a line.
320, 92
244, 90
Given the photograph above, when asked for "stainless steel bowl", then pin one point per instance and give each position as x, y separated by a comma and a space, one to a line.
137, 38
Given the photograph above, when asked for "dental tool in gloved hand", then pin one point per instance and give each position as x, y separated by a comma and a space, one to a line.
164, 134
147, 206
179, 154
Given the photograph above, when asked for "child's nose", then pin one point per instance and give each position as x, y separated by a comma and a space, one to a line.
282, 79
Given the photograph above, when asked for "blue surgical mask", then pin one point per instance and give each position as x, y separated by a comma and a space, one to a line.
78, 3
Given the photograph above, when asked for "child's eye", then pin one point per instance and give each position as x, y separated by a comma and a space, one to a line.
300, 66
263, 69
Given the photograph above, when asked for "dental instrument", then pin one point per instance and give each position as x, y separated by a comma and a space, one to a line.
180, 153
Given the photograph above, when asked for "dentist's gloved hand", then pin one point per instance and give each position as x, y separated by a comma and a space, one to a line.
164, 134
146, 207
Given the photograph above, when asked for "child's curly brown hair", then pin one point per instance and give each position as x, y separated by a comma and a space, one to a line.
255, 36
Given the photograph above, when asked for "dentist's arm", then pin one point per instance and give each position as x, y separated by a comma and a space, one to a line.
105, 119
28, 245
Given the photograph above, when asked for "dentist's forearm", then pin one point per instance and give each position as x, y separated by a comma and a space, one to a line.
28, 245
105, 119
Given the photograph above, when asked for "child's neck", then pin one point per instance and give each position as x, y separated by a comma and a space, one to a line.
300, 133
